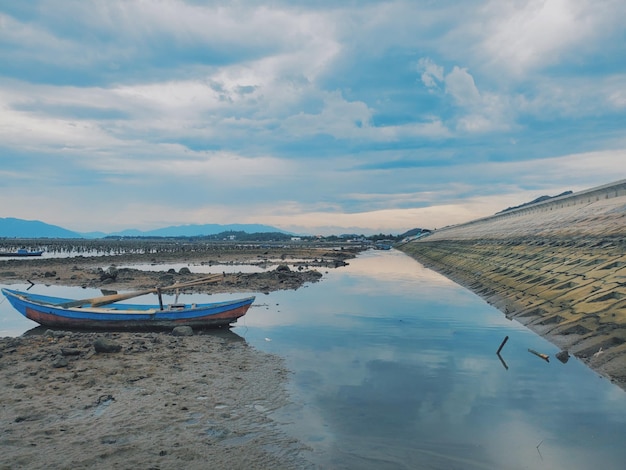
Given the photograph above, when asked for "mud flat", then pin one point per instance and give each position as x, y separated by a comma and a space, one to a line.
155, 401
80, 400
286, 268
558, 267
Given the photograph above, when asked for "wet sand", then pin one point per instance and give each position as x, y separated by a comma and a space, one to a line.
157, 401
160, 402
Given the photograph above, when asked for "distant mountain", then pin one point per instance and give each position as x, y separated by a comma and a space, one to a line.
93, 234
18, 228
534, 201
197, 230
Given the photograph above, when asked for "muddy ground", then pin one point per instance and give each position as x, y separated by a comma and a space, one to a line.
156, 402
286, 268
150, 400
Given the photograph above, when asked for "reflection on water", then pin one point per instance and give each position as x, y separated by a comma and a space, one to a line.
395, 367
226, 334
201, 268
217, 268
68, 253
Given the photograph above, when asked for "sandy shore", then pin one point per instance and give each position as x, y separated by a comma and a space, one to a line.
158, 401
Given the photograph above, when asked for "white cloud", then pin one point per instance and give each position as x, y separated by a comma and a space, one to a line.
220, 169
339, 118
34, 43
477, 112
574, 97
460, 85
529, 34
618, 99
432, 74
433, 129
36, 133
484, 112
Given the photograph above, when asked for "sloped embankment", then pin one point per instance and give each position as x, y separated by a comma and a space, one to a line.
558, 267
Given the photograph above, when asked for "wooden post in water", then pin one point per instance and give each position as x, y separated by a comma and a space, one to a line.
506, 338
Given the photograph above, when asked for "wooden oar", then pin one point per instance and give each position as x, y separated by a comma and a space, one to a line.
109, 299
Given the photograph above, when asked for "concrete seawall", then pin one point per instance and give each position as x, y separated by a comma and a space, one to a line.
558, 267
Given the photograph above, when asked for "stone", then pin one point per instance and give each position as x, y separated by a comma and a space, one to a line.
54, 334
182, 331
59, 362
109, 275
563, 356
105, 345
70, 351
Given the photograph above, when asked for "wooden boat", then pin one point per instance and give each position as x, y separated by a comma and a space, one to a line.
105, 314
21, 252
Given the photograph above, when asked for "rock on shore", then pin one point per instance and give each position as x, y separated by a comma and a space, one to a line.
558, 267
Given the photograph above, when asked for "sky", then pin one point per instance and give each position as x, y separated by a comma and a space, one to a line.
316, 117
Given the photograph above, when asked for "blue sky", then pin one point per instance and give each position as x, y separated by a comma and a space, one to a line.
316, 117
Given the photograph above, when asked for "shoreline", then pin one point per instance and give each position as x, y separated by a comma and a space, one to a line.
161, 401
598, 342
157, 400
584, 318
558, 267
102, 271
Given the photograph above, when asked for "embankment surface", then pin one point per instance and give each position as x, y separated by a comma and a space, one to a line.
558, 267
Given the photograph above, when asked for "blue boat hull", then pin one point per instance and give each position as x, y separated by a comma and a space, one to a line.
47, 311
21, 253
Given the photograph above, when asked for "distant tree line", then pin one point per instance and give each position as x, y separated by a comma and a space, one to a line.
240, 236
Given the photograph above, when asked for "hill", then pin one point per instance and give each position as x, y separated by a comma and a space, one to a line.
535, 201
18, 228
197, 230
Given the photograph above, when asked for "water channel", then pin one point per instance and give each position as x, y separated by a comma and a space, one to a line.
395, 367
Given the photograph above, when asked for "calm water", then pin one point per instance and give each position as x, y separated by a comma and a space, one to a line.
213, 268
394, 367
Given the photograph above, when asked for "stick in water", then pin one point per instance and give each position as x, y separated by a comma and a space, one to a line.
545, 357
506, 338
